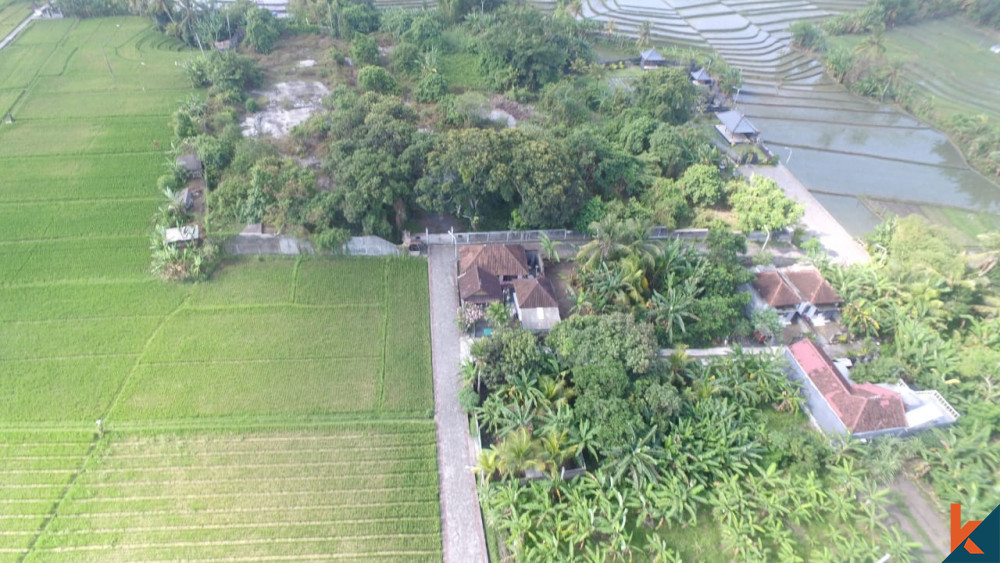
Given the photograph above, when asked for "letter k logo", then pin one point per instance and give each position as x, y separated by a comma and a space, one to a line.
960, 533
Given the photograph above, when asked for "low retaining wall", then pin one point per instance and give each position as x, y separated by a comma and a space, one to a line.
257, 244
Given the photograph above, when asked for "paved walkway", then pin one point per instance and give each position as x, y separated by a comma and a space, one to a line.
10, 36
461, 521
839, 244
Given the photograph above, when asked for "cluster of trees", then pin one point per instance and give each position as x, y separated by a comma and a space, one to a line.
591, 148
886, 14
933, 317
195, 22
668, 444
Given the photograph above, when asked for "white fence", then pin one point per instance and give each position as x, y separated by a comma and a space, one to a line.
503, 237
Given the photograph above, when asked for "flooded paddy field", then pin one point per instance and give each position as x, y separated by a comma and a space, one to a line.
860, 158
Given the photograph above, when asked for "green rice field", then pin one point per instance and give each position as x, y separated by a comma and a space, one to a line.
950, 60
278, 411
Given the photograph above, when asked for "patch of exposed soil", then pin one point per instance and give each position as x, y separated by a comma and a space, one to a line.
288, 104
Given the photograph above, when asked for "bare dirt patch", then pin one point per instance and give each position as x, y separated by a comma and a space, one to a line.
288, 104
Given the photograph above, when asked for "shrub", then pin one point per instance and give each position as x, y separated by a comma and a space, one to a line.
377, 79
468, 399
364, 50
431, 88
806, 35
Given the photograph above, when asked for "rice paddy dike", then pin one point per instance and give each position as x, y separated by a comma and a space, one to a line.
859, 158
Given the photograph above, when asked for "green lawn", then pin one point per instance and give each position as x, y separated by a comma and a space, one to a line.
303, 384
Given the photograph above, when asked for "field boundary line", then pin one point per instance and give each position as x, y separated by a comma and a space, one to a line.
249, 439
148, 545
54, 510
257, 307
380, 380
367, 556
250, 466
71, 357
40, 202
138, 360
236, 525
366, 491
295, 279
244, 481
224, 453
227, 510
259, 360
75, 319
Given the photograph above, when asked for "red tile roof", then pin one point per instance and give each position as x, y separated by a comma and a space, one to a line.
479, 286
774, 290
497, 259
534, 294
811, 286
862, 408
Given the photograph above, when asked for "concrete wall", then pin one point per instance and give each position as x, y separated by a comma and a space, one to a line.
252, 244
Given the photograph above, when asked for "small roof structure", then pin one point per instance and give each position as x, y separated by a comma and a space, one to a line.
812, 286
736, 123
534, 293
535, 303
477, 285
501, 260
701, 75
185, 234
862, 408
774, 290
651, 56
190, 163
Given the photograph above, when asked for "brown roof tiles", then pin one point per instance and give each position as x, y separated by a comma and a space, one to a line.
534, 293
774, 290
498, 259
479, 286
862, 407
811, 286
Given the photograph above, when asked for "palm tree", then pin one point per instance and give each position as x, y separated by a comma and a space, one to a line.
872, 47
549, 248
487, 466
615, 239
644, 38
498, 315
638, 460
518, 453
670, 308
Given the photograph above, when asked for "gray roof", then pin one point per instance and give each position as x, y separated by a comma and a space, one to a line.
737, 123
701, 76
652, 56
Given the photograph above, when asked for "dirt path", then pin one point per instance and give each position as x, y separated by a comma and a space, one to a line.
462, 525
839, 244
924, 523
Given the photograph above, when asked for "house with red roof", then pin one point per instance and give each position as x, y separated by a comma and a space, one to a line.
796, 291
864, 410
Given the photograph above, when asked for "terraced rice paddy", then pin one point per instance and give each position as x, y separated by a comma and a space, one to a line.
844, 148
277, 411
951, 60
